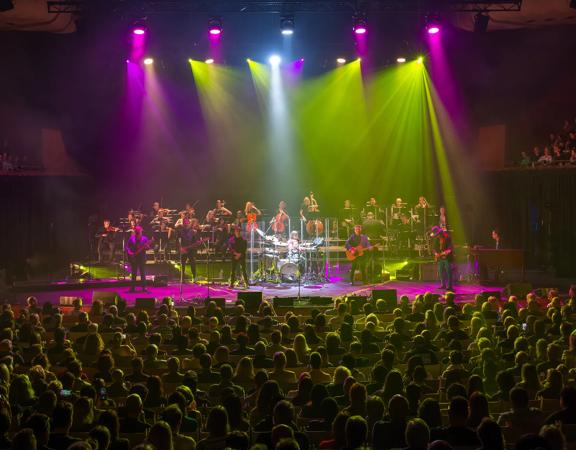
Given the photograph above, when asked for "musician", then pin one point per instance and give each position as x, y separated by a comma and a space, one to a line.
163, 238
221, 236
221, 210
155, 210
372, 207
372, 227
444, 254
251, 212
190, 211
422, 203
279, 220
356, 239
304, 207
106, 240
442, 220
136, 251
237, 246
210, 219
189, 238
347, 216
398, 211
293, 245
496, 238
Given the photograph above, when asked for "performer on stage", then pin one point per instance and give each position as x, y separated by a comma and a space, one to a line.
293, 246
221, 210
372, 227
237, 247
347, 217
107, 240
372, 207
251, 212
422, 203
442, 219
279, 220
189, 241
496, 238
136, 249
356, 244
444, 254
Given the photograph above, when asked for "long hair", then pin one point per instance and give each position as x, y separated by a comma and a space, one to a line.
160, 436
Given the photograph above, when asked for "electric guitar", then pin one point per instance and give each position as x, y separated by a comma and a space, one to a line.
442, 255
236, 255
359, 250
185, 249
141, 248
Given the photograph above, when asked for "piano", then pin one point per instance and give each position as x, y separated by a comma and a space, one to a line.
484, 259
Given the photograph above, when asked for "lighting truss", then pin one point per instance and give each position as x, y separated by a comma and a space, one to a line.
282, 6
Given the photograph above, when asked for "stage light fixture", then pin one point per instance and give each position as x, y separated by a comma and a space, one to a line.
341, 60
6, 5
360, 24
401, 60
287, 25
432, 25
481, 22
139, 31
148, 61
209, 61
420, 60
215, 26
274, 60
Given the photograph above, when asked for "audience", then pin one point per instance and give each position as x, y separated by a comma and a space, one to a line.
493, 368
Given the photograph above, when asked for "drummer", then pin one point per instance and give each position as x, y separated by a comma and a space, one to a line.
293, 246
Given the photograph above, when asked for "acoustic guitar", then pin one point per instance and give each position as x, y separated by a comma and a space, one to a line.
358, 251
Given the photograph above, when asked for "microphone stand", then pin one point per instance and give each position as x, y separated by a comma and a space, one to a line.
182, 268
208, 267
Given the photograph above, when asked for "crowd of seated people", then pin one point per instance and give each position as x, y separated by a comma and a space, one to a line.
559, 149
432, 374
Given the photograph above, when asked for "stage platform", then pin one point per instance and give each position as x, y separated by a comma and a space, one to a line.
192, 293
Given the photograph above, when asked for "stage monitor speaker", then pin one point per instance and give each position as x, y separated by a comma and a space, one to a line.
497, 294
107, 298
252, 300
145, 303
220, 302
68, 301
390, 296
357, 303
520, 290
320, 301
283, 301
160, 281
407, 273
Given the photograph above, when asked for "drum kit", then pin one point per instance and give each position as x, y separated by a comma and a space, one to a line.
288, 261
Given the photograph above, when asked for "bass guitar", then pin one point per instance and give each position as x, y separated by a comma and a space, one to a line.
141, 248
442, 255
186, 248
358, 251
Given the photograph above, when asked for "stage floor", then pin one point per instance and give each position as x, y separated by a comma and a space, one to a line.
336, 287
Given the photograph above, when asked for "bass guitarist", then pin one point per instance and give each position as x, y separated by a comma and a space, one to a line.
444, 255
356, 245
136, 250
237, 247
189, 238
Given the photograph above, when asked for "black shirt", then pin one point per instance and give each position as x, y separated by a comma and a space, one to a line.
238, 245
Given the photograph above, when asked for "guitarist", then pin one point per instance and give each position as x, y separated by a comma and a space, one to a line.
136, 250
189, 238
359, 262
237, 247
444, 255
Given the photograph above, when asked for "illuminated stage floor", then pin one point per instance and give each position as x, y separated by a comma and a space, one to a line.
336, 287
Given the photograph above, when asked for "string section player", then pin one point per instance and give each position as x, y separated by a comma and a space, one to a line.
444, 255
190, 241
136, 247
358, 249
237, 246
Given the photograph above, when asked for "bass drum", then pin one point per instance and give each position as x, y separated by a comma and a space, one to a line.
289, 272
314, 227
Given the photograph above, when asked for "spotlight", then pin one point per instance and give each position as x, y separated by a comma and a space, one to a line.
6, 5
420, 60
274, 60
481, 23
432, 25
209, 61
401, 60
148, 61
341, 60
215, 26
360, 24
287, 25
139, 31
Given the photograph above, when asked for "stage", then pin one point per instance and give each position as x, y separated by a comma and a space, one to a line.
336, 286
